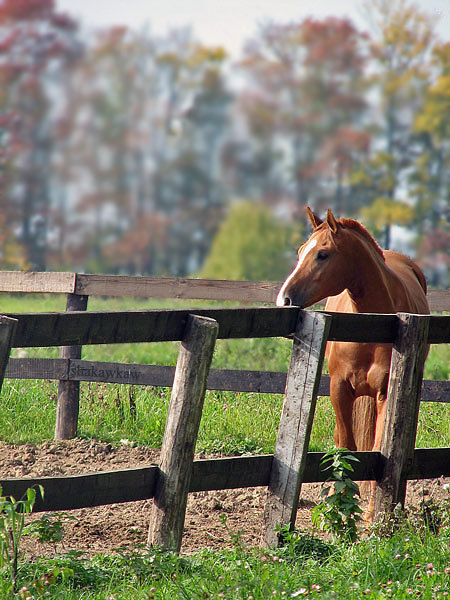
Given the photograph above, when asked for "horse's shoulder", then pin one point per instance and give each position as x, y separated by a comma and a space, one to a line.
404, 266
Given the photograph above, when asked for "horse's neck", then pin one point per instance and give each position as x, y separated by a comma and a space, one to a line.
372, 287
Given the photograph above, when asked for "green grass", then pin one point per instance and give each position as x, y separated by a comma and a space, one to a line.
411, 563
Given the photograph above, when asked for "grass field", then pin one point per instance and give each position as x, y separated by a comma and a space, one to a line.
410, 562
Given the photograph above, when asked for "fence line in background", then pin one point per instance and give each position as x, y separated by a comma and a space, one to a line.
151, 287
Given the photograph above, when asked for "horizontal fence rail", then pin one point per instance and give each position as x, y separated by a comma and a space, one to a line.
84, 328
232, 380
111, 487
150, 287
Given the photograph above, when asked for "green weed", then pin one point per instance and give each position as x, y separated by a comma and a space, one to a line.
339, 512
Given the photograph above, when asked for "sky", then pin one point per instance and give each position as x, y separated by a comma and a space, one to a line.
226, 22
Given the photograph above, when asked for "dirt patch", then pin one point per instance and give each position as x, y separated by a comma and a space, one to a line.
107, 528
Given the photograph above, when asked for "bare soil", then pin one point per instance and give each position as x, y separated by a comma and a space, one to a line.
106, 529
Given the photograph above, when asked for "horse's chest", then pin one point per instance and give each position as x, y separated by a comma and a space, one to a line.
364, 366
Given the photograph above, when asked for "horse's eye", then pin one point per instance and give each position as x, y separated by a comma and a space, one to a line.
322, 255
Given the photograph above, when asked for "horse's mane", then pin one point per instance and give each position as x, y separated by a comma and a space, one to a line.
351, 224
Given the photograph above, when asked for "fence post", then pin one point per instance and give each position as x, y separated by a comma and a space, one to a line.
180, 436
402, 410
7, 328
295, 424
69, 391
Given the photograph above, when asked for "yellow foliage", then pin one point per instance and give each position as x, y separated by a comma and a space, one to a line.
435, 115
386, 211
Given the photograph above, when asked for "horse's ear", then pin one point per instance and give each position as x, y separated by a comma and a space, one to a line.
332, 223
313, 218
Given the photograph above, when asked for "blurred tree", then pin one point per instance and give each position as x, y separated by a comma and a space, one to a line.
251, 244
108, 135
36, 43
402, 38
190, 191
150, 114
305, 98
430, 179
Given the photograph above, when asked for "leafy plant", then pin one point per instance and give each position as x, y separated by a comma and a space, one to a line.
12, 528
302, 545
48, 529
340, 510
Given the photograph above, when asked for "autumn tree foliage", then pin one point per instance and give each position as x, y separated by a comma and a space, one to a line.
401, 44
36, 44
306, 88
145, 126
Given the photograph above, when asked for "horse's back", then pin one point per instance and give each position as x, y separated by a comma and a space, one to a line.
411, 297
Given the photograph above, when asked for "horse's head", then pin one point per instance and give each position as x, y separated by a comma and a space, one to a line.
320, 270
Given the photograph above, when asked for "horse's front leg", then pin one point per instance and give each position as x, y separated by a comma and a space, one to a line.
342, 399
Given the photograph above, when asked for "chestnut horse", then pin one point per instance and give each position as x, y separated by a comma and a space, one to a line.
342, 262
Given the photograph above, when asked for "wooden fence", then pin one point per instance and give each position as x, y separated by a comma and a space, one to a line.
69, 370
290, 465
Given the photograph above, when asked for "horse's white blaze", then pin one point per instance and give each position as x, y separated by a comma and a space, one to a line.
303, 254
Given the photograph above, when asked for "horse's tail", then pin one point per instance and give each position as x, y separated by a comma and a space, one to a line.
363, 422
364, 417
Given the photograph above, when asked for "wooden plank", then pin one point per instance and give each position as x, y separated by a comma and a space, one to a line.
254, 471
180, 435
31, 281
149, 287
68, 390
262, 382
402, 410
92, 489
110, 487
429, 463
37, 368
134, 374
61, 329
219, 379
439, 300
295, 424
439, 329
7, 328
435, 391
206, 289
231, 473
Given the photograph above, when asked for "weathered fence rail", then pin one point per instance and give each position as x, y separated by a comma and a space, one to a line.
150, 287
233, 380
116, 327
112, 487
